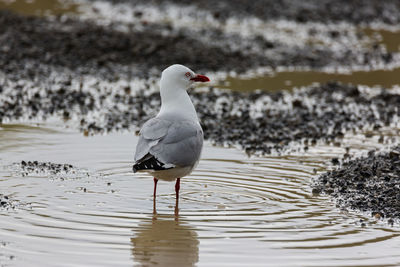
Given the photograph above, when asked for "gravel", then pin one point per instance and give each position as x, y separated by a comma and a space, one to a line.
32, 47
354, 11
370, 184
258, 122
28, 167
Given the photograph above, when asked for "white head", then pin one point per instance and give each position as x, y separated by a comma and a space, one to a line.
180, 77
175, 80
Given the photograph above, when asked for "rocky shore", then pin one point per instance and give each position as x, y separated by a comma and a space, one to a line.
99, 76
353, 11
369, 184
258, 122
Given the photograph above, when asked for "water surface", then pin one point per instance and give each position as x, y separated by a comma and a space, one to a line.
233, 211
39, 7
287, 80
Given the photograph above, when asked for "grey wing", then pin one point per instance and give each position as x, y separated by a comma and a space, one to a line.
181, 146
151, 133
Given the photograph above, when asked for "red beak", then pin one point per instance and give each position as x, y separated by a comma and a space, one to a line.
200, 78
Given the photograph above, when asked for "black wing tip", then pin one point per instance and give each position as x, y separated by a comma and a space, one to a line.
149, 164
135, 168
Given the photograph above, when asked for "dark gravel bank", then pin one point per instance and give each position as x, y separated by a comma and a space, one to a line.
369, 184
353, 11
258, 122
33, 47
261, 122
43, 59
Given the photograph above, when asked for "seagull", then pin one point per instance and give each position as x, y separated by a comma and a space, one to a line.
170, 144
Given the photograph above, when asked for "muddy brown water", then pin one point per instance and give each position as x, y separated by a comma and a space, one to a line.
390, 39
233, 211
39, 7
287, 80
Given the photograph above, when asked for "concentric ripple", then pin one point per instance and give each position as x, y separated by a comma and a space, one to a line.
233, 210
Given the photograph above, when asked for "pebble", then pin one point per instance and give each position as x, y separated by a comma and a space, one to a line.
6, 202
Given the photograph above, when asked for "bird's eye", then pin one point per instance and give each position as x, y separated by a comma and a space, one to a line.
187, 74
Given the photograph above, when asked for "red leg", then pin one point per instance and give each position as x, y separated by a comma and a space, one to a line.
155, 187
154, 196
177, 187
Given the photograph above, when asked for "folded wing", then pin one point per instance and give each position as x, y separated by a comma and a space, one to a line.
164, 144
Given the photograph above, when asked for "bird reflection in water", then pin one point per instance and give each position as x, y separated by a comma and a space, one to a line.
176, 210
165, 241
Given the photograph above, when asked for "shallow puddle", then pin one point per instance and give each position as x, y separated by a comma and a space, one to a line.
39, 7
287, 80
233, 210
390, 39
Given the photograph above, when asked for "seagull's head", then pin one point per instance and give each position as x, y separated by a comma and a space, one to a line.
180, 77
